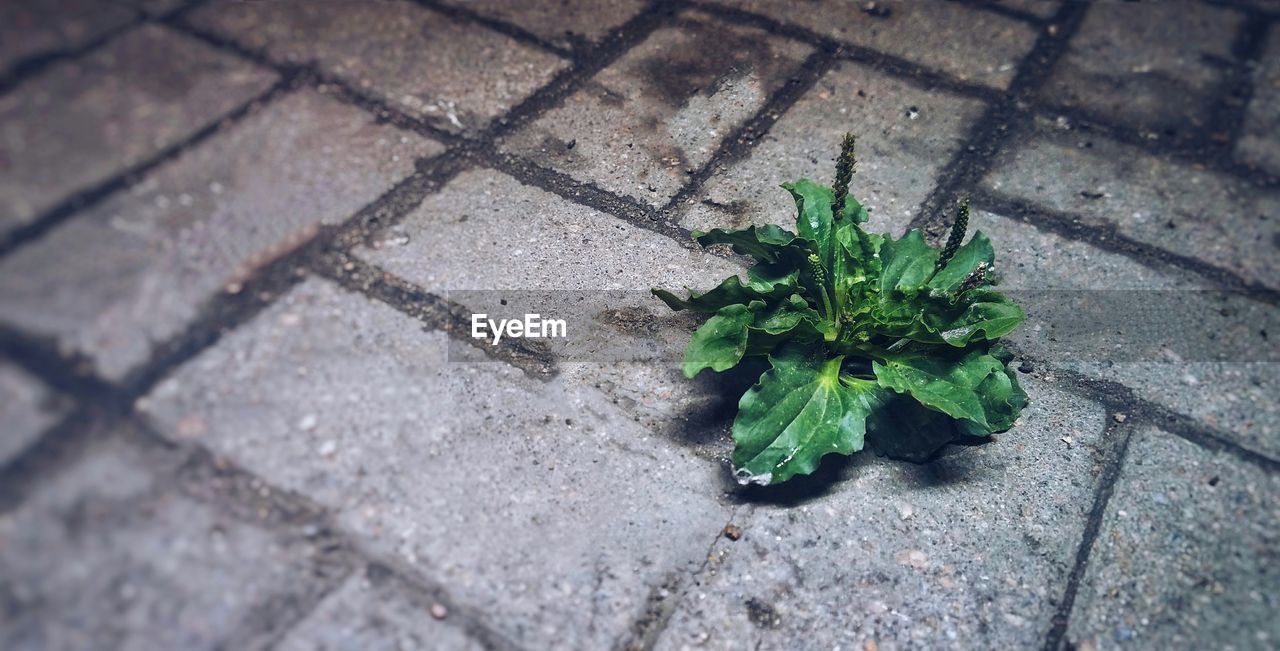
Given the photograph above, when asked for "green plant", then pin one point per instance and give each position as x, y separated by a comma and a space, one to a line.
863, 334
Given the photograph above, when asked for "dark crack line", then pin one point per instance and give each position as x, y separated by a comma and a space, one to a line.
1235, 90
463, 14
1106, 237
893, 65
1124, 399
975, 157
739, 143
95, 193
1120, 436
434, 311
1179, 147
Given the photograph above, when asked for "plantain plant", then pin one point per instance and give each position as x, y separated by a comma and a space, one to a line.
863, 334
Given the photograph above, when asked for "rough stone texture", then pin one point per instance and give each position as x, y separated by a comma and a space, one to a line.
106, 555
136, 269
331, 471
1259, 143
1147, 66
1217, 218
1239, 399
32, 29
536, 504
1187, 554
938, 35
374, 611
969, 551
85, 120
640, 126
563, 22
905, 135
458, 76
558, 245
27, 409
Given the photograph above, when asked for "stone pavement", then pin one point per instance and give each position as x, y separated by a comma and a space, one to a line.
237, 411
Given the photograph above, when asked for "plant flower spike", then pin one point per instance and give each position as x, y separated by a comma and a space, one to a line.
864, 335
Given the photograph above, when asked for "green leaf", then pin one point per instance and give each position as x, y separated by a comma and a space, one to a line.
813, 215
764, 282
857, 265
764, 243
986, 314
799, 411
946, 382
1002, 398
966, 259
907, 264
853, 211
790, 319
720, 342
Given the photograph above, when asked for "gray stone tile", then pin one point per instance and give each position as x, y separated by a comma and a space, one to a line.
971, 550
1259, 143
30, 29
535, 503
1146, 65
906, 134
1234, 394
1186, 555
1216, 218
135, 269
27, 409
104, 554
937, 35
458, 76
374, 611
641, 124
85, 120
557, 244
564, 246
562, 22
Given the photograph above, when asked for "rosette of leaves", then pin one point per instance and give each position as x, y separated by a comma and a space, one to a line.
863, 334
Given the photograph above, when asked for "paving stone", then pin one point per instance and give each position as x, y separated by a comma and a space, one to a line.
456, 75
535, 503
641, 124
906, 134
1241, 400
136, 269
83, 121
1186, 555
104, 554
564, 246
30, 29
27, 409
971, 550
375, 612
937, 35
562, 22
1259, 143
557, 244
1149, 65
1214, 217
